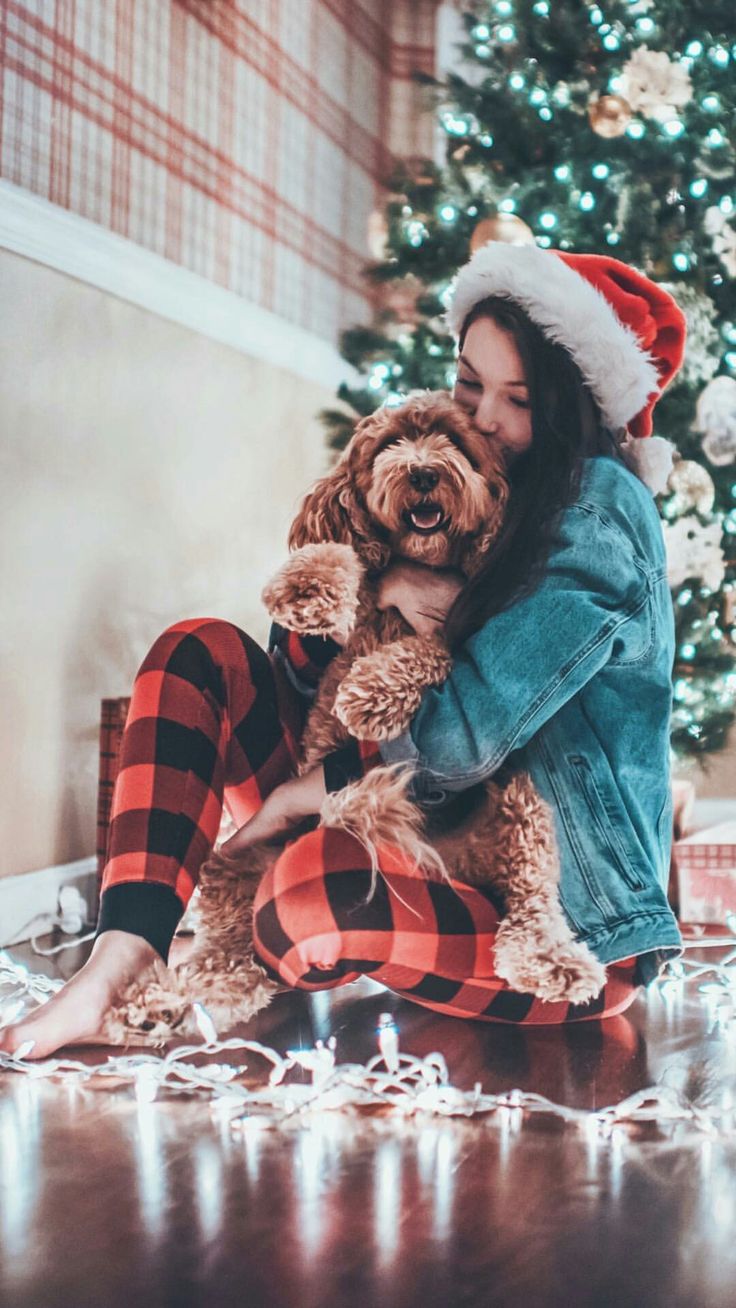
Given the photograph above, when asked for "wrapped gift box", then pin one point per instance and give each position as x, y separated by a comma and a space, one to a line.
705, 863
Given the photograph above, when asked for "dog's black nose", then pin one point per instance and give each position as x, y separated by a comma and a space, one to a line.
423, 479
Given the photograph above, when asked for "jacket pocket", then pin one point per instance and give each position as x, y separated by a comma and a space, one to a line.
602, 823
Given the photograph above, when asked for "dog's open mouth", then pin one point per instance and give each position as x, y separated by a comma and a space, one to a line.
425, 518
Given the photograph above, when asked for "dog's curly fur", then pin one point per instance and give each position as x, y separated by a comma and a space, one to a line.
416, 482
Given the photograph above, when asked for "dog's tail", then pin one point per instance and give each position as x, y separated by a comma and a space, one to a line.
377, 810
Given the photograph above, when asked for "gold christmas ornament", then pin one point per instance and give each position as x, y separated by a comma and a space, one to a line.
692, 486
609, 115
503, 227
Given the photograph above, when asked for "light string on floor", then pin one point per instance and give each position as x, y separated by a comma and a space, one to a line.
392, 1080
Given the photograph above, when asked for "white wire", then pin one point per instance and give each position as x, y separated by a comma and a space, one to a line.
50, 921
65, 944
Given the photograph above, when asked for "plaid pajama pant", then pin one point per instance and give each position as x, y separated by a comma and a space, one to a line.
214, 718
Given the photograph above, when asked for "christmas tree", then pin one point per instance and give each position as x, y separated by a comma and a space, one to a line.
596, 128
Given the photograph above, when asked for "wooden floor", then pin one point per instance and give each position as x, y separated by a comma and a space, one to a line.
106, 1205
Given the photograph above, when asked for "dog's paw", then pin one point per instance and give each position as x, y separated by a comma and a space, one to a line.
316, 591
378, 697
370, 710
552, 971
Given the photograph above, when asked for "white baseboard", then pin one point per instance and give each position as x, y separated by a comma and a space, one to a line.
40, 230
25, 897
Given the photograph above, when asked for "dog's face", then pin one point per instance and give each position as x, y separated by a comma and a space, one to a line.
419, 481
432, 481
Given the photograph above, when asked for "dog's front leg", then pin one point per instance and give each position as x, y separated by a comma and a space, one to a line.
317, 591
380, 694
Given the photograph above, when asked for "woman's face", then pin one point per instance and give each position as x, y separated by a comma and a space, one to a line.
492, 387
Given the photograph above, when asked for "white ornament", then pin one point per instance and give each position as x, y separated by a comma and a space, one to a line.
715, 417
724, 237
694, 551
654, 84
650, 458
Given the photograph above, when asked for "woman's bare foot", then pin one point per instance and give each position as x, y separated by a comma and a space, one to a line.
74, 1015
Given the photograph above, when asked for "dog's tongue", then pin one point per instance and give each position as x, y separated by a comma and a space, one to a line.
426, 516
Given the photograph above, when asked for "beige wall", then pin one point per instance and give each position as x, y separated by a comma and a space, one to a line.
146, 474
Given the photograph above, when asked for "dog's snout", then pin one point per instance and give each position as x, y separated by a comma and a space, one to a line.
423, 479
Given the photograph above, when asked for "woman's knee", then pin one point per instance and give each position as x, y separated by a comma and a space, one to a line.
194, 648
291, 911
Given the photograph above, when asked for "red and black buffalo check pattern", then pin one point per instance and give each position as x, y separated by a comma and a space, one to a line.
213, 717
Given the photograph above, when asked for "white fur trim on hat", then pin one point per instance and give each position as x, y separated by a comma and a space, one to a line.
651, 460
569, 311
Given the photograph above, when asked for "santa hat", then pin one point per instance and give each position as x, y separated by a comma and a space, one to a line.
625, 333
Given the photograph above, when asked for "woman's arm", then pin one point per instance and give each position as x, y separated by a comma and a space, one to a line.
526, 662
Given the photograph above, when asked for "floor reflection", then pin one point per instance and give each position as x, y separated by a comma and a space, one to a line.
164, 1202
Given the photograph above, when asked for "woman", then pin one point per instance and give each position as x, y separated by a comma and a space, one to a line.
563, 649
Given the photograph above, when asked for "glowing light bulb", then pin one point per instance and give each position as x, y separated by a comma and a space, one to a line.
681, 261
601, 171
711, 104
587, 200
719, 55
388, 1041
506, 33
612, 41
674, 127
448, 213
562, 172
613, 238
694, 49
635, 129
548, 219
517, 82
699, 187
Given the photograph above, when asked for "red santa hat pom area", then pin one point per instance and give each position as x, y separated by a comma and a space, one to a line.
626, 334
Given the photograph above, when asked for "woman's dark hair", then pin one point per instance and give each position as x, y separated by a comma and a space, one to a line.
544, 480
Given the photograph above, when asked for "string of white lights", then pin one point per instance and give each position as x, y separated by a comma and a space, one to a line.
391, 1080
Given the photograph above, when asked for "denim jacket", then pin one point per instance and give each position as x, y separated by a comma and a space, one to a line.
573, 684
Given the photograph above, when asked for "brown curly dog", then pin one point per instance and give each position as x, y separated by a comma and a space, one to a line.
415, 482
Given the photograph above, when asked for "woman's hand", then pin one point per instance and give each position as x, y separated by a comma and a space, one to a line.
295, 799
423, 596
74, 1014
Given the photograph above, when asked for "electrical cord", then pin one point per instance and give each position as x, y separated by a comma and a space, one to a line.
71, 919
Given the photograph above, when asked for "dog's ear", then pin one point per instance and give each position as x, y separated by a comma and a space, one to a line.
477, 549
324, 512
333, 511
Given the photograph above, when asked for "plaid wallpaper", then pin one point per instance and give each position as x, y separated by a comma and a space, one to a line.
245, 140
